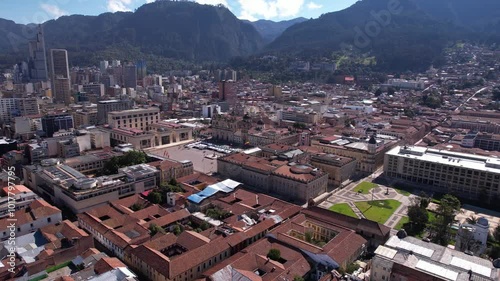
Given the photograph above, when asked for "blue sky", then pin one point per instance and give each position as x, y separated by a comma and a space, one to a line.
36, 11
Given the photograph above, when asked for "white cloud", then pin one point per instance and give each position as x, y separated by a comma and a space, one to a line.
53, 10
149, 1
119, 5
268, 9
314, 6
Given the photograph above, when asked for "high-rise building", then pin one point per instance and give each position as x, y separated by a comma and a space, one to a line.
141, 69
97, 89
227, 92
103, 65
37, 63
61, 83
55, 122
21, 73
465, 175
106, 106
130, 76
115, 63
15, 107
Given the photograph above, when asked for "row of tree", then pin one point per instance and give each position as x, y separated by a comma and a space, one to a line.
128, 159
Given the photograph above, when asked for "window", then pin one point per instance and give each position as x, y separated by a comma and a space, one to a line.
49, 219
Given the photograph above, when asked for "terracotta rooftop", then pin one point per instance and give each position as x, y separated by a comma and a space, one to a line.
298, 173
37, 209
257, 163
106, 264
16, 189
169, 218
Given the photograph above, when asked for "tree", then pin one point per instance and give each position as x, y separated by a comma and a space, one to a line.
298, 278
177, 229
350, 268
391, 91
155, 197
378, 93
409, 112
274, 254
418, 216
154, 229
471, 220
496, 233
136, 207
496, 93
204, 226
173, 182
167, 188
298, 125
217, 213
308, 236
425, 200
446, 211
130, 158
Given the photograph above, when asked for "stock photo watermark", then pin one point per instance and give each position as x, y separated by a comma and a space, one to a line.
363, 36
12, 220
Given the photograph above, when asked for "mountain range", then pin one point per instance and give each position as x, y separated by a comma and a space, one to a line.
407, 36
400, 34
270, 30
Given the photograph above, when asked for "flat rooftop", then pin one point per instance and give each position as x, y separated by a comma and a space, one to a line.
137, 110
449, 158
437, 260
138, 171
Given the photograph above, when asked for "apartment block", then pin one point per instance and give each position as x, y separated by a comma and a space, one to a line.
66, 186
139, 119
466, 175
107, 106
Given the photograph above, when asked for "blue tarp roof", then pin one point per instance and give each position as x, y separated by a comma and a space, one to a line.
226, 186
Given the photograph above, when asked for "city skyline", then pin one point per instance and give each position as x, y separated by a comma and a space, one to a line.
277, 10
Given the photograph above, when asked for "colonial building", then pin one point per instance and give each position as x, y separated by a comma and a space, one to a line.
368, 152
242, 131
291, 180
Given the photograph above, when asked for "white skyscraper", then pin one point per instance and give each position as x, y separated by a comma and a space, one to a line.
104, 66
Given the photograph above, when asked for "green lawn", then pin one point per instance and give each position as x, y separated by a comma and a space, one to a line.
344, 209
379, 210
401, 223
403, 192
364, 187
432, 217
41, 277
